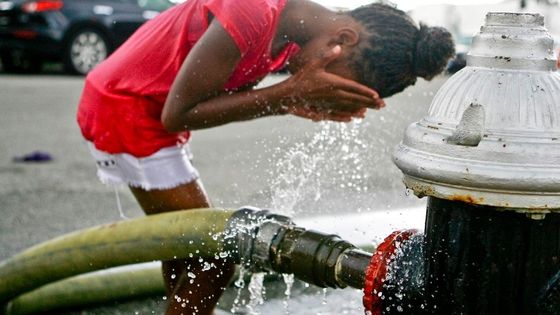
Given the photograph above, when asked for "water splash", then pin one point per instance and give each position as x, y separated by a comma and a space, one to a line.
257, 292
335, 168
289, 281
324, 300
335, 158
238, 302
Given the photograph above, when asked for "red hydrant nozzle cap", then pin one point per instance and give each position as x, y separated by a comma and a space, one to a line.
376, 272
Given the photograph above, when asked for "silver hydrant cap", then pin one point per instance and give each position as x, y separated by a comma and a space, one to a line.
491, 136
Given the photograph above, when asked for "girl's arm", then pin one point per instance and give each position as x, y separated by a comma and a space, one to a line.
197, 98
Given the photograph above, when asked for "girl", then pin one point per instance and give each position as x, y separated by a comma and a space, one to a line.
195, 65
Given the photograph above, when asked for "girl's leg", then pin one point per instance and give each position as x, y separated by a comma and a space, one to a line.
184, 297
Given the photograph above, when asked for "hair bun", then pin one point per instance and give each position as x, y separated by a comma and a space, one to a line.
434, 48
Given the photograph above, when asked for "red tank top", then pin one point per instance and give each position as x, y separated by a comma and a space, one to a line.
123, 97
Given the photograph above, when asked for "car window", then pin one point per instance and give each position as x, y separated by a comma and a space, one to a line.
156, 5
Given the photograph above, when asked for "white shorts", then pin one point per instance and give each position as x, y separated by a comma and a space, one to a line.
165, 169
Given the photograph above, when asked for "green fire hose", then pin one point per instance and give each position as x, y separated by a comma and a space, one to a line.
91, 289
164, 236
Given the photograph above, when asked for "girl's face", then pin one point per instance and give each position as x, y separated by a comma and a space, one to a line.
314, 52
344, 32
341, 67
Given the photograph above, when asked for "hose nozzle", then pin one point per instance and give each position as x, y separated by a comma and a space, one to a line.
264, 241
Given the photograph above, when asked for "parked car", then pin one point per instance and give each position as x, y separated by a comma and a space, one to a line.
81, 33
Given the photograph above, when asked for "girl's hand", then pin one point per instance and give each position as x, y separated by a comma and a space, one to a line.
315, 91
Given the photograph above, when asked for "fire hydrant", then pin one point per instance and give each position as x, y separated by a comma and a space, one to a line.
487, 156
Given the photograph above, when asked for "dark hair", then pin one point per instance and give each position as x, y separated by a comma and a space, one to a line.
396, 51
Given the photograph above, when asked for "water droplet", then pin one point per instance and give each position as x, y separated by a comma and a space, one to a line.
207, 266
119, 206
289, 280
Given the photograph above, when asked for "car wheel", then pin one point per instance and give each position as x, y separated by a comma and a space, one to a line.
85, 49
17, 61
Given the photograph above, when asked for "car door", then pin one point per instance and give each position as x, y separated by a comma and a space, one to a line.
124, 16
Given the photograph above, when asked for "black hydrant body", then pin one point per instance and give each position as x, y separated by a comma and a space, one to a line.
483, 260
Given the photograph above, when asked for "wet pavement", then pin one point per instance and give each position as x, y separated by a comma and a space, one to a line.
288, 164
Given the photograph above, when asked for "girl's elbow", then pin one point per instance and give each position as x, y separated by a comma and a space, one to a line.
172, 124
169, 123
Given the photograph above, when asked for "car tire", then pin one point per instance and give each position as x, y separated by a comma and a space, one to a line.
17, 61
85, 49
